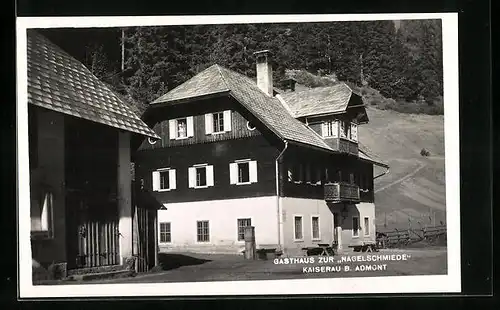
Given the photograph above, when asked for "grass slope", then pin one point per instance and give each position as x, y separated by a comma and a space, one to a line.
413, 192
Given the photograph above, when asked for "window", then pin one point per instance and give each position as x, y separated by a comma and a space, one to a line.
202, 231
367, 226
355, 226
181, 128
41, 215
354, 132
164, 179
243, 172
298, 233
165, 233
242, 223
330, 129
218, 122
315, 227
201, 176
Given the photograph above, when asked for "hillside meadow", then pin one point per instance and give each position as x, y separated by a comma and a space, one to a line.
413, 192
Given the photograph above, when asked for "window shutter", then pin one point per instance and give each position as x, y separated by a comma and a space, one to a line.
253, 171
172, 179
335, 129
191, 177
190, 128
208, 123
324, 131
210, 175
156, 180
227, 120
171, 129
233, 173
354, 131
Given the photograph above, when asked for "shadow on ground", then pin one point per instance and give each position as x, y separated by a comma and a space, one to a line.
168, 261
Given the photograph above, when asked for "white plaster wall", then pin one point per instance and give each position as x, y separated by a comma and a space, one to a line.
222, 216
312, 207
305, 208
362, 210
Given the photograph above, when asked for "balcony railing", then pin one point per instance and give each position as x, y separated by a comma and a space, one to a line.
340, 192
343, 145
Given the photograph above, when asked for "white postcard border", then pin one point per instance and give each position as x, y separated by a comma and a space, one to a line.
450, 283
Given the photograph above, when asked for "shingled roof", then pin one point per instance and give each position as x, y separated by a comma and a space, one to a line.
59, 82
271, 111
318, 100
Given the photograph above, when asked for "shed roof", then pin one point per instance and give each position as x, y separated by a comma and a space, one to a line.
59, 82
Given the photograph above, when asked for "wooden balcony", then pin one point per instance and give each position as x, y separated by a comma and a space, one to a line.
341, 192
343, 145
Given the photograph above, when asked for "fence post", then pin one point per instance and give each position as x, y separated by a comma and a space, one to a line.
250, 242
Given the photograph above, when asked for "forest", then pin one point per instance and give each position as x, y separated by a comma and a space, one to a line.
395, 65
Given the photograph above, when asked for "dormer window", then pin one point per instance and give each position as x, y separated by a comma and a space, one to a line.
330, 129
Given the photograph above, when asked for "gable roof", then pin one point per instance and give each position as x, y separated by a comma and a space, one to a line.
59, 82
271, 111
318, 100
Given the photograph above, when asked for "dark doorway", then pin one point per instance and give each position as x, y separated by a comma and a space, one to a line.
91, 153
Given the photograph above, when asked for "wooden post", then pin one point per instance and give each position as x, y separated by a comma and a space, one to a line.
250, 242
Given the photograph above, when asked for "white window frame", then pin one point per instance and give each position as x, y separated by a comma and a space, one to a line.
238, 227
172, 181
209, 122
312, 227
221, 113
366, 226
333, 126
234, 172
353, 137
45, 202
208, 231
165, 233
355, 233
209, 170
295, 228
173, 128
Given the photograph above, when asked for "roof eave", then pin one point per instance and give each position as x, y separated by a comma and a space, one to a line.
160, 104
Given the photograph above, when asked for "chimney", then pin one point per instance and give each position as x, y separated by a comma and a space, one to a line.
264, 72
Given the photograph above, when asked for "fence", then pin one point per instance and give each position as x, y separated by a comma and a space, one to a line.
401, 238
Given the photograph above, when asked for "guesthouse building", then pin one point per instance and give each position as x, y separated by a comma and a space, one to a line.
235, 152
